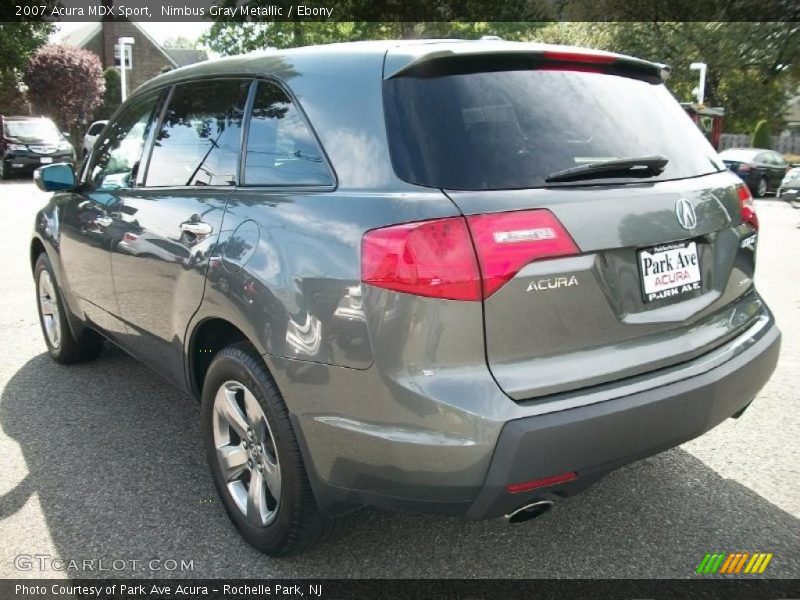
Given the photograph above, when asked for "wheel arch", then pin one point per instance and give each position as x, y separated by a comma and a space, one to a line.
207, 338
36, 248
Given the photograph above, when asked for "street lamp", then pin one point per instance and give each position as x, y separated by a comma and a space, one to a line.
123, 43
700, 90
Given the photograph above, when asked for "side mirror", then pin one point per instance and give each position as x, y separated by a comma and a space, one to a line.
59, 177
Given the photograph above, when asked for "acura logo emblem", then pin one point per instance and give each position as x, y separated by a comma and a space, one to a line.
685, 213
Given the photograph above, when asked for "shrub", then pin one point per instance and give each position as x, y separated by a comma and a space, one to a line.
761, 135
65, 84
111, 96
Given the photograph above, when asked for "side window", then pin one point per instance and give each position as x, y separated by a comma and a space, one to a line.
116, 156
280, 147
778, 160
95, 129
199, 138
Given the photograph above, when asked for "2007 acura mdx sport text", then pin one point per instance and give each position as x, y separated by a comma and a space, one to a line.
458, 277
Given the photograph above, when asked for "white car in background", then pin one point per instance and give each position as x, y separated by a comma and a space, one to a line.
91, 135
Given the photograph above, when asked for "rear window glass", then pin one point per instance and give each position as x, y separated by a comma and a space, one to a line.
280, 147
511, 129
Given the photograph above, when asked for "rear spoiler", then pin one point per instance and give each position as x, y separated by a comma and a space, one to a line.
470, 56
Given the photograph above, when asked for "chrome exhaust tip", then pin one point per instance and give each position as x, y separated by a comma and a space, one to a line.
528, 512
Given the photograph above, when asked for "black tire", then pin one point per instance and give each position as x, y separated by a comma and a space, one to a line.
762, 188
297, 524
67, 350
4, 172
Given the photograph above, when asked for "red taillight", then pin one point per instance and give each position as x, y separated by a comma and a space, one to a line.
516, 488
130, 237
747, 206
430, 258
581, 57
437, 258
506, 242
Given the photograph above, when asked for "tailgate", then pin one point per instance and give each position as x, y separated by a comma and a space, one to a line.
576, 321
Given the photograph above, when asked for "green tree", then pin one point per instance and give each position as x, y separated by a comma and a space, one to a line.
761, 135
17, 42
752, 67
180, 42
112, 95
229, 38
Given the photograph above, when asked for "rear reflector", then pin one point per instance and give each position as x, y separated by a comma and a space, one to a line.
429, 258
747, 206
506, 242
516, 488
437, 258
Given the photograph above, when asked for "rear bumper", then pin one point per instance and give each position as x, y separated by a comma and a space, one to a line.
596, 439
449, 441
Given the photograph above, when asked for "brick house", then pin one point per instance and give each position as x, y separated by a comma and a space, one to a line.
148, 58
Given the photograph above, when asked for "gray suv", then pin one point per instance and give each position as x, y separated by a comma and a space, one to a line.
466, 278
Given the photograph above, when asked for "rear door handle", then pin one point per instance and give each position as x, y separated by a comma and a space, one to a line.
197, 228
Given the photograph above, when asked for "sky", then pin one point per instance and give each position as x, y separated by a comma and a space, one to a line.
159, 31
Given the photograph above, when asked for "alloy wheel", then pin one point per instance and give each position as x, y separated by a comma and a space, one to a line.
48, 308
246, 453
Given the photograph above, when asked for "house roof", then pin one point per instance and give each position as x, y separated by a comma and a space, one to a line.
81, 36
178, 57
186, 56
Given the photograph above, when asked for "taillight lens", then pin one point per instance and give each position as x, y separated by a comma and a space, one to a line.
506, 242
747, 206
437, 258
429, 258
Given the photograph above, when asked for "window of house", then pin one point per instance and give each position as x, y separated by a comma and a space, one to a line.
281, 149
198, 141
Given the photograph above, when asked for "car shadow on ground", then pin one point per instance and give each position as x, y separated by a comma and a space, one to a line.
114, 457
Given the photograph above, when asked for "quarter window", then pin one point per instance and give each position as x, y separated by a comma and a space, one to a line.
116, 157
281, 149
199, 138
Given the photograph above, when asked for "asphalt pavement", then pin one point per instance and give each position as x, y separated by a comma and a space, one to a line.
102, 462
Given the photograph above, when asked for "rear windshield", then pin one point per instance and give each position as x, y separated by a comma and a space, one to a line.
35, 129
511, 129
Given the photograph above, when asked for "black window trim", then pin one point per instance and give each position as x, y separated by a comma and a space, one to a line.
303, 117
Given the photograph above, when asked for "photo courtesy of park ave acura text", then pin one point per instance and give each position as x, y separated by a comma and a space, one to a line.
366, 299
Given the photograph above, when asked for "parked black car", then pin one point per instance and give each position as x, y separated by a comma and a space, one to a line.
762, 170
29, 142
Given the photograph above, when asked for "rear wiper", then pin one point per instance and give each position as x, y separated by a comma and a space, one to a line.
642, 166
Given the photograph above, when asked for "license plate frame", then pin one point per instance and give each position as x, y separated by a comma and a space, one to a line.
672, 273
46, 160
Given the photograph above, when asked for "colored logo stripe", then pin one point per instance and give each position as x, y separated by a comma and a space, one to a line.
734, 562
